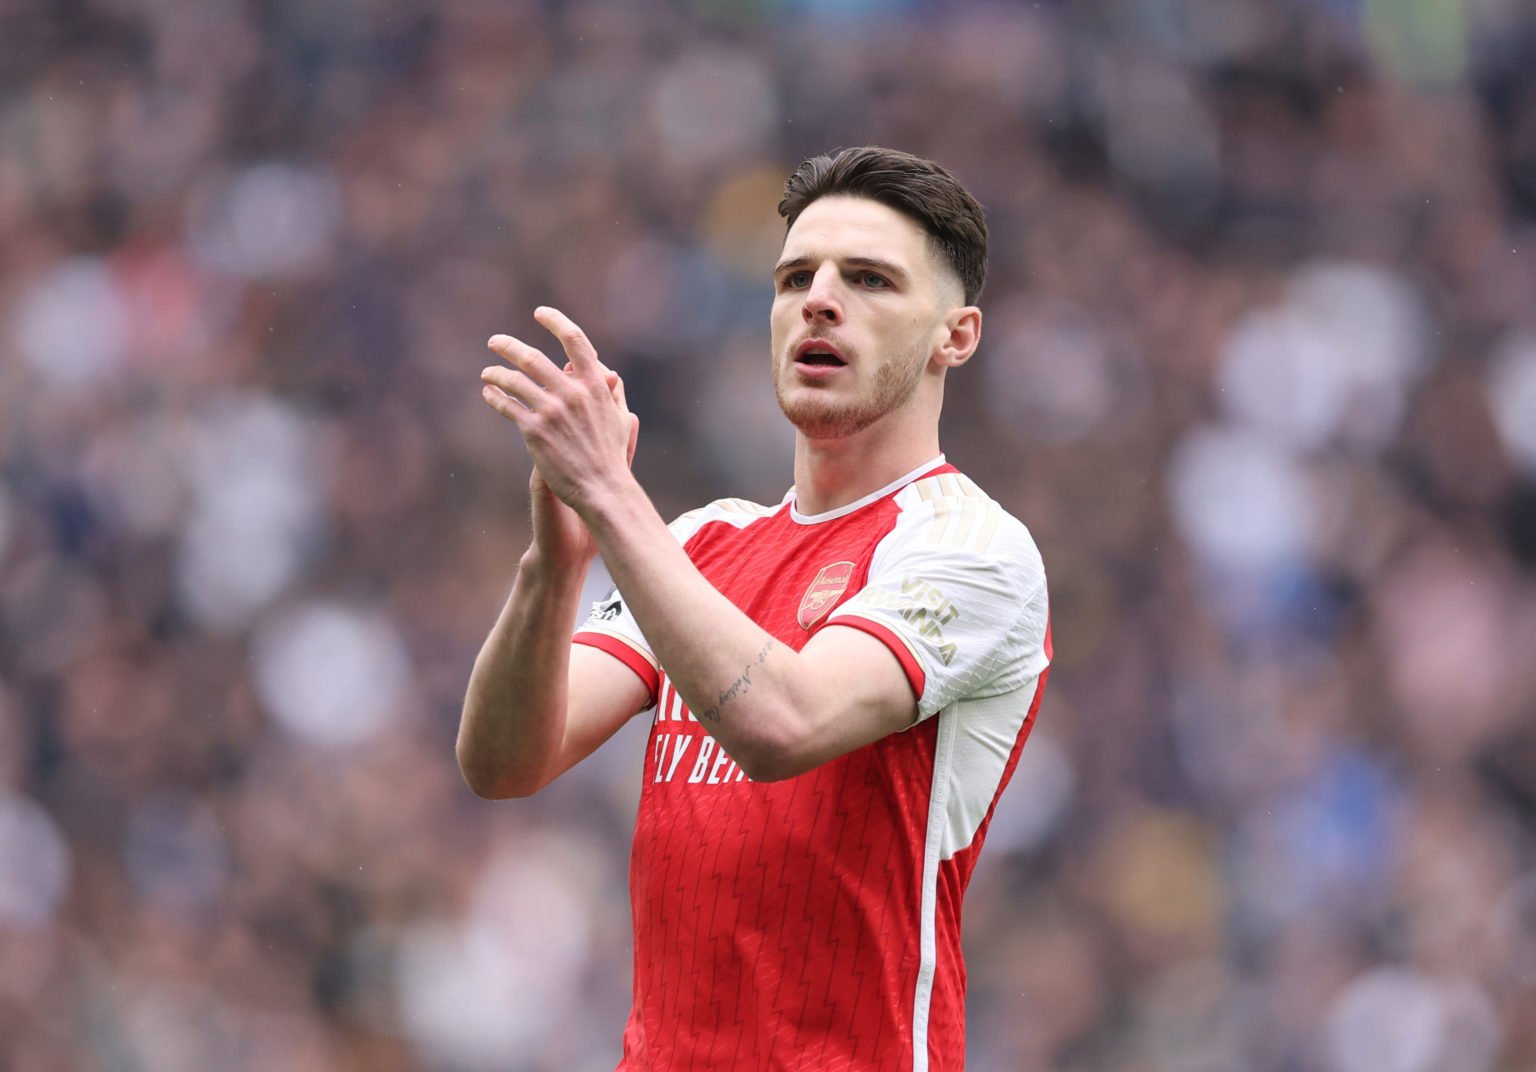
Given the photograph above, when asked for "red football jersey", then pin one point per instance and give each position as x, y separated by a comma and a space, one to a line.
814, 923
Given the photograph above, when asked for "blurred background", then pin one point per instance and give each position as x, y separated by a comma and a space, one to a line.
1259, 372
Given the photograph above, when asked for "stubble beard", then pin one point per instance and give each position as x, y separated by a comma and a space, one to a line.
820, 415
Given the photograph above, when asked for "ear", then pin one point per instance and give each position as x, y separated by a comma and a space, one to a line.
963, 327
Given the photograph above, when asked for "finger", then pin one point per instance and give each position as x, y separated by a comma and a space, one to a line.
582, 354
513, 384
617, 387
505, 404
610, 377
526, 359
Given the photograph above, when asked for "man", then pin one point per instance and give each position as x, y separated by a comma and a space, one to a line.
842, 683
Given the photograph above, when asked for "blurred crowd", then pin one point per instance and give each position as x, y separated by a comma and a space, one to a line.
1258, 371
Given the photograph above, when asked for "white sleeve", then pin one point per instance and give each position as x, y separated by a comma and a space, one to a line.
610, 617
612, 628
964, 609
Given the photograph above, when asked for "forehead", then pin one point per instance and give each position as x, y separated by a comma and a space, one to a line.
858, 227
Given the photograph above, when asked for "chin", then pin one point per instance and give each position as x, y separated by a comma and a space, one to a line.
823, 412
822, 418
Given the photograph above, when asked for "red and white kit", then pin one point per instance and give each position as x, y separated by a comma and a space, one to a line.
814, 923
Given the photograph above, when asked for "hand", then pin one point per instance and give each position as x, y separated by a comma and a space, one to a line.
577, 426
559, 533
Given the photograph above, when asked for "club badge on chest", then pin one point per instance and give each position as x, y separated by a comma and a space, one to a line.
830, 583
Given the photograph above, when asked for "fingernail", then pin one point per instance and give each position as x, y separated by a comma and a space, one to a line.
496, 340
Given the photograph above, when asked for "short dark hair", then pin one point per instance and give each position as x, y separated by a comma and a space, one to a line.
917, 188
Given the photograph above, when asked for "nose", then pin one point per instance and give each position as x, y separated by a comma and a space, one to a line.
823, 298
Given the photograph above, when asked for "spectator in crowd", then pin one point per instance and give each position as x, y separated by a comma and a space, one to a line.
1260, 370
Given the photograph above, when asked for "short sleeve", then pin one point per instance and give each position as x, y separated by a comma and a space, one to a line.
966, 618
612, 628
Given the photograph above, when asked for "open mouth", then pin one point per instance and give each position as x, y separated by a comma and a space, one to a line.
818, 354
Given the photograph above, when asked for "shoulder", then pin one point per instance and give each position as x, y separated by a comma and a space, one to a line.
949, 514
737, 513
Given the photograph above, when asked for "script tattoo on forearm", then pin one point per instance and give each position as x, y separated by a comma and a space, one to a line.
736, 688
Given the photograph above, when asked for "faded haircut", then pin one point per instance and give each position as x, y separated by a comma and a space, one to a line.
917, 188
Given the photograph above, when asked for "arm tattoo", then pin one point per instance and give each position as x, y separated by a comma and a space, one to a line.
737, 687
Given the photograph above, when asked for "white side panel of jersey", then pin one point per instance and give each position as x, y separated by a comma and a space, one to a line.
933, 843
960, 582
986, 731
612, 617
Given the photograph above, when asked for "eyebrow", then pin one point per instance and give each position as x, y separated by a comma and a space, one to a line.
887, 267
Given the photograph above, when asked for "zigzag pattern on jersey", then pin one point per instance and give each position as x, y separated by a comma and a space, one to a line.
790, 942
860, 851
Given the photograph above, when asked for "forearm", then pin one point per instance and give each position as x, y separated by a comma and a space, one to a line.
747, 689
514, 718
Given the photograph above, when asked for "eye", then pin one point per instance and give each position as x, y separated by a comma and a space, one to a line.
872, 280
797, 279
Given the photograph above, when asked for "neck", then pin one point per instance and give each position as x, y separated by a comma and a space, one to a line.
830, 473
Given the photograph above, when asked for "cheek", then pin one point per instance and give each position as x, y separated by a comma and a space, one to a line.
919, 330
784, 322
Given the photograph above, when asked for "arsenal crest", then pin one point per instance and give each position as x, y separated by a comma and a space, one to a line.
830, 583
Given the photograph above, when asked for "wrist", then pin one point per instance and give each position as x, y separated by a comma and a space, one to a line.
544, 569
614, 507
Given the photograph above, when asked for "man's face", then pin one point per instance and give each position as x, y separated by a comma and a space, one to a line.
858, 310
